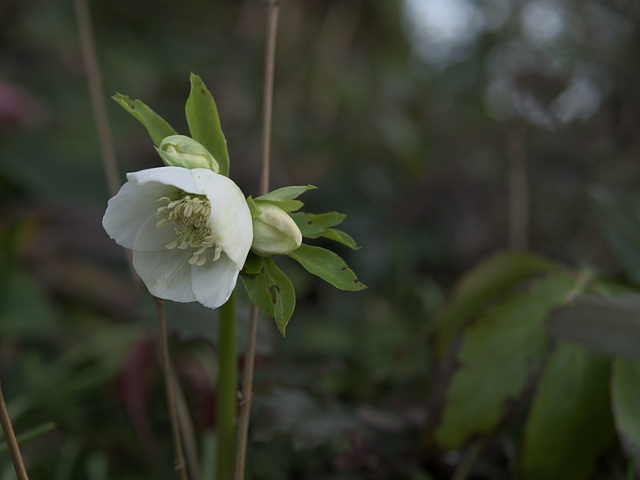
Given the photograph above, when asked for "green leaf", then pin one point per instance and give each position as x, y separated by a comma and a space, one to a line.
328, 266
621, 226
204, 123
609, 324
496, 358
258, 289
313, 226
253, 265
157, 126
284, 293
626, 406
286, 193
284, 197
272, 292
486, 283
570, 421
316, 226
286, 205
340, 237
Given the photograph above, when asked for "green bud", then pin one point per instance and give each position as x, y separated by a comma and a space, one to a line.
185, 152
274, 232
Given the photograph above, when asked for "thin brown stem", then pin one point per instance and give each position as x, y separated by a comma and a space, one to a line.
186, 428
97, 99
180, 465
10, 438
270, 56
247, 393
247, 380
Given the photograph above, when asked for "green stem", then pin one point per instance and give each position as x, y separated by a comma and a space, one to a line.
226, 398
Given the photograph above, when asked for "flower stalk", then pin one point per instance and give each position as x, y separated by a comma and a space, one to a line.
226, 396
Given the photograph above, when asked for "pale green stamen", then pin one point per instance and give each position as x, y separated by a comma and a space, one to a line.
190, 216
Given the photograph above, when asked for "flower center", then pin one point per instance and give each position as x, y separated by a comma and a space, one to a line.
190, 216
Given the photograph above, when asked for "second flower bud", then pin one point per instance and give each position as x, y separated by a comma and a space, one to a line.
185, 152
274, 232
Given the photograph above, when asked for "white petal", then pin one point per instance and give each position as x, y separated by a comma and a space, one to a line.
167, 274
213, 282
137, 200
130, 209
150, 238
230, 216
176, 176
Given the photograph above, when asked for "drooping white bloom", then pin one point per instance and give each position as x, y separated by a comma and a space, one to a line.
190, 232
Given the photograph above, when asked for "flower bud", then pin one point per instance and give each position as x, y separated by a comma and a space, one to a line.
274, 232
185, 152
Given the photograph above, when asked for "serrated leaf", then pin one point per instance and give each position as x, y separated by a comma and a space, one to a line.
313, 225
625, 389
328, 266
340, 237
157, 126
621, 225
487, 282
570, 421
608, 324
497, 356
204, 123
272, 292
319, 225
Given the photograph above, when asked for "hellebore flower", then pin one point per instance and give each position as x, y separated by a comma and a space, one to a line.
190, 232
274, 232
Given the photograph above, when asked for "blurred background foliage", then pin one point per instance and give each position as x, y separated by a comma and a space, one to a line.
406, 115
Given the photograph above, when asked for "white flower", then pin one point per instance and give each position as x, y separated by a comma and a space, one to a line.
190, 232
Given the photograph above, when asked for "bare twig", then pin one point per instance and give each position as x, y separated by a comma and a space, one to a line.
180, 465
186, 428
97, 99
10, 437
270, 55
247, 380
247, 393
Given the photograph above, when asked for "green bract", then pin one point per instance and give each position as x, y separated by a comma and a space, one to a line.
274, 232
185, 152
